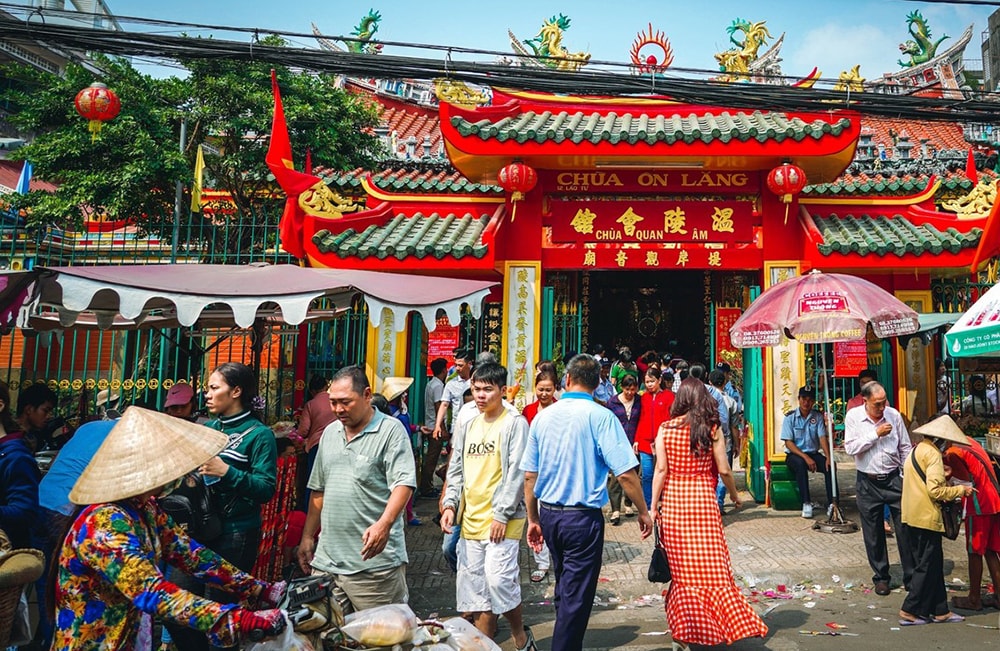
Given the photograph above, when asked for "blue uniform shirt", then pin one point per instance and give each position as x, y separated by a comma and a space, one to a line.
804, 431
572, 445
53, 491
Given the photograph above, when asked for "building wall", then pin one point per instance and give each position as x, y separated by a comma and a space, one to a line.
991, 53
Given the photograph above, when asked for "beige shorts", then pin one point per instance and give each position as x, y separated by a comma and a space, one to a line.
489, 577
363, 590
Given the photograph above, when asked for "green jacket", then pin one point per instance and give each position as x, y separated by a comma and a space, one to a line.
252, 455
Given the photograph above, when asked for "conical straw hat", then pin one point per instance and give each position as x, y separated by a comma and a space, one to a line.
943, 427
392, 387
143, 451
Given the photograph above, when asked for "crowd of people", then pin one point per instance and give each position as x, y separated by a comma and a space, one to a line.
137, 559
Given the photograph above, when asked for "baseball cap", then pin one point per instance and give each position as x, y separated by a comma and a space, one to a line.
724, 367
179, 394
806, 392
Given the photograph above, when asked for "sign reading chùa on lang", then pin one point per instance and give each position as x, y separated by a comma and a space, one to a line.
651, 221
651, 181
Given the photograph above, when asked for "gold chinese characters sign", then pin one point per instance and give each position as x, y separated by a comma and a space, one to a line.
652, 221
521, 326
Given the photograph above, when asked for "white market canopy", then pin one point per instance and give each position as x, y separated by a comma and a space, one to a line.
977, 332
235, 295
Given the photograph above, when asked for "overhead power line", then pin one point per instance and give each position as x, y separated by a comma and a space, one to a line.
750, 96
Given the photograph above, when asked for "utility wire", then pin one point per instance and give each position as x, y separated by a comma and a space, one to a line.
744, 96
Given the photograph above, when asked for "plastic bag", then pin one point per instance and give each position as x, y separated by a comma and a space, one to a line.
287, 641
381, 626
466, 637
21, 631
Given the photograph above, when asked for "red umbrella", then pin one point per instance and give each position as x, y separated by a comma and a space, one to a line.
821, 308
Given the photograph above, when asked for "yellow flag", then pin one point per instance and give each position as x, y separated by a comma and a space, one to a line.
199, 173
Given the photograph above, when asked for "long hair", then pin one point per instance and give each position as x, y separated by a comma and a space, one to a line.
702, 411
242, 376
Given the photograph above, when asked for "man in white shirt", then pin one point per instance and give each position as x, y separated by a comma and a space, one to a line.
453, 393
876, 436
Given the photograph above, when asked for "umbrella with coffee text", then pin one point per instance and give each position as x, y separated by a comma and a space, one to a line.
820, 308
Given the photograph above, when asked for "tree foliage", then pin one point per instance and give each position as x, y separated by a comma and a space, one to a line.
131, 171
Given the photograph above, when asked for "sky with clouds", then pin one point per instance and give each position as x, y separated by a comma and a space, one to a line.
833, 36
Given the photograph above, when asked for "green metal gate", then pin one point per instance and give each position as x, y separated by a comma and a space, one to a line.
561, 328
753, 411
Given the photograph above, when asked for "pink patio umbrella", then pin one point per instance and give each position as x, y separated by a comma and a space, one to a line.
820, 308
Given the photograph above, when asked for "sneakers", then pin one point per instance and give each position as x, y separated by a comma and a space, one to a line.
629, 511
615, 519
807, 510
829, 510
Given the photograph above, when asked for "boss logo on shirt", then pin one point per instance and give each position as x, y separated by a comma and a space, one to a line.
481, 448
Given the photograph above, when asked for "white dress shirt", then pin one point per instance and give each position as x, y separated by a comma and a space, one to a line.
874, 454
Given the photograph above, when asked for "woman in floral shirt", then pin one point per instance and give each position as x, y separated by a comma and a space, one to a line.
109, 584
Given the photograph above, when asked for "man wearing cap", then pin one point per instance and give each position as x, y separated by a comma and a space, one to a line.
875, 435
729, 389
605, 389
807, 446
180, 403
363, 477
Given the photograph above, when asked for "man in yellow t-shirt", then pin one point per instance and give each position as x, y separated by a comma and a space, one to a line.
484, 477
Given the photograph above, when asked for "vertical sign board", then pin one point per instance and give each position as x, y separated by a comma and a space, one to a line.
850, 358
522, 296
917, 394
783, 367
442, 342
725, 317
386, 355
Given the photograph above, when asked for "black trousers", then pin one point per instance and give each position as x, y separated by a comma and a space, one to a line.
240, 549
873, 496
576, 542
800, 470
616, 494
927, 597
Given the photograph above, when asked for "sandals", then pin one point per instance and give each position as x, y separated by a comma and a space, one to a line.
913, 622
529, 645
952, 618
538, 576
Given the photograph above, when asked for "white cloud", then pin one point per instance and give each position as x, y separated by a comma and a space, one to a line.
834, 47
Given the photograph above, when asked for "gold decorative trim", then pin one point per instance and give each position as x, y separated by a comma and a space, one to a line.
459, 94
382, 195
876, 201
320, 201
977, 204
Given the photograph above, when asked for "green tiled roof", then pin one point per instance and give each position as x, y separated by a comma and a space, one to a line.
864, 234
890, 186
419, 236
632, 128
410, 181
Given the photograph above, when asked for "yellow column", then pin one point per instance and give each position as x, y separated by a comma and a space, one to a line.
784, 367
386, 354
916, 396
522, 305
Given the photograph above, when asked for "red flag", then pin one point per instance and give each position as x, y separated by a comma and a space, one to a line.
309, 161
970, 168
279, 160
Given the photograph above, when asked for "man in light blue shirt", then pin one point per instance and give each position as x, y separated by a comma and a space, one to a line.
572, 445
804, 434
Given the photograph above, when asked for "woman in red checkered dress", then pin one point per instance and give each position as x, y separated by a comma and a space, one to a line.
704, 606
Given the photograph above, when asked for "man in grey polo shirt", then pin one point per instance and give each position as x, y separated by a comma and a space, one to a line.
362, 479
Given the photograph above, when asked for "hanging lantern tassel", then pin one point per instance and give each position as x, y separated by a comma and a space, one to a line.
786, 181
516, 178
94, 127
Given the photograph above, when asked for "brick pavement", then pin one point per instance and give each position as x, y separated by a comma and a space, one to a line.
767, 547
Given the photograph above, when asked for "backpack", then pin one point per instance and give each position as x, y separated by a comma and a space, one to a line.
193, 505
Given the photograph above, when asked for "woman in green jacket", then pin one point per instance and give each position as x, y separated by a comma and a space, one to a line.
242, 476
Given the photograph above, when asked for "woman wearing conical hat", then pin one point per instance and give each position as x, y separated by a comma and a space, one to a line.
108, 583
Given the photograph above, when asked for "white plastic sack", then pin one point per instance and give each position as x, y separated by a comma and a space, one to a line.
21, 632
381, 626
287, 641
466, 637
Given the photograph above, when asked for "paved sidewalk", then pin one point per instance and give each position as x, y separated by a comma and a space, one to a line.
768, 548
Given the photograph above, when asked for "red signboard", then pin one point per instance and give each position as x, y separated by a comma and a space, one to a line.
652, 256
441, 342
849, 358
651, 181
725, 317
651, 221
822, 302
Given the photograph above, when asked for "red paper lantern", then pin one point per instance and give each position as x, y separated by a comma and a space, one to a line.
786, 181
518, 179
97, 103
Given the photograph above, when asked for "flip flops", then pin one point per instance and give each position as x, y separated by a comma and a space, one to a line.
913, 622
952, 618
539, 575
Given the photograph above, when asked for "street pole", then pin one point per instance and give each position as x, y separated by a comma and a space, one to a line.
178, 201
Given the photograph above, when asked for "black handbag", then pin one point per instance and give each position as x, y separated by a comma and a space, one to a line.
951, 511
659, 567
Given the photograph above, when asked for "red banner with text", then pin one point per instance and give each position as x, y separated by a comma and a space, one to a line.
725, 317
652, 221
442, 342
652, 181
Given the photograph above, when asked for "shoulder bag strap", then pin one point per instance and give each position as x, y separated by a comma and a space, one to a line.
920, 471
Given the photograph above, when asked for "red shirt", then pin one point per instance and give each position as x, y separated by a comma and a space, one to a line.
965, 465
531, 410
655, 411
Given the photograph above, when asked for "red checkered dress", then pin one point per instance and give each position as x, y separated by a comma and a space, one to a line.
704, 606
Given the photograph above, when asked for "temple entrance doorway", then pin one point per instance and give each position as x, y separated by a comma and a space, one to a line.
649, 310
